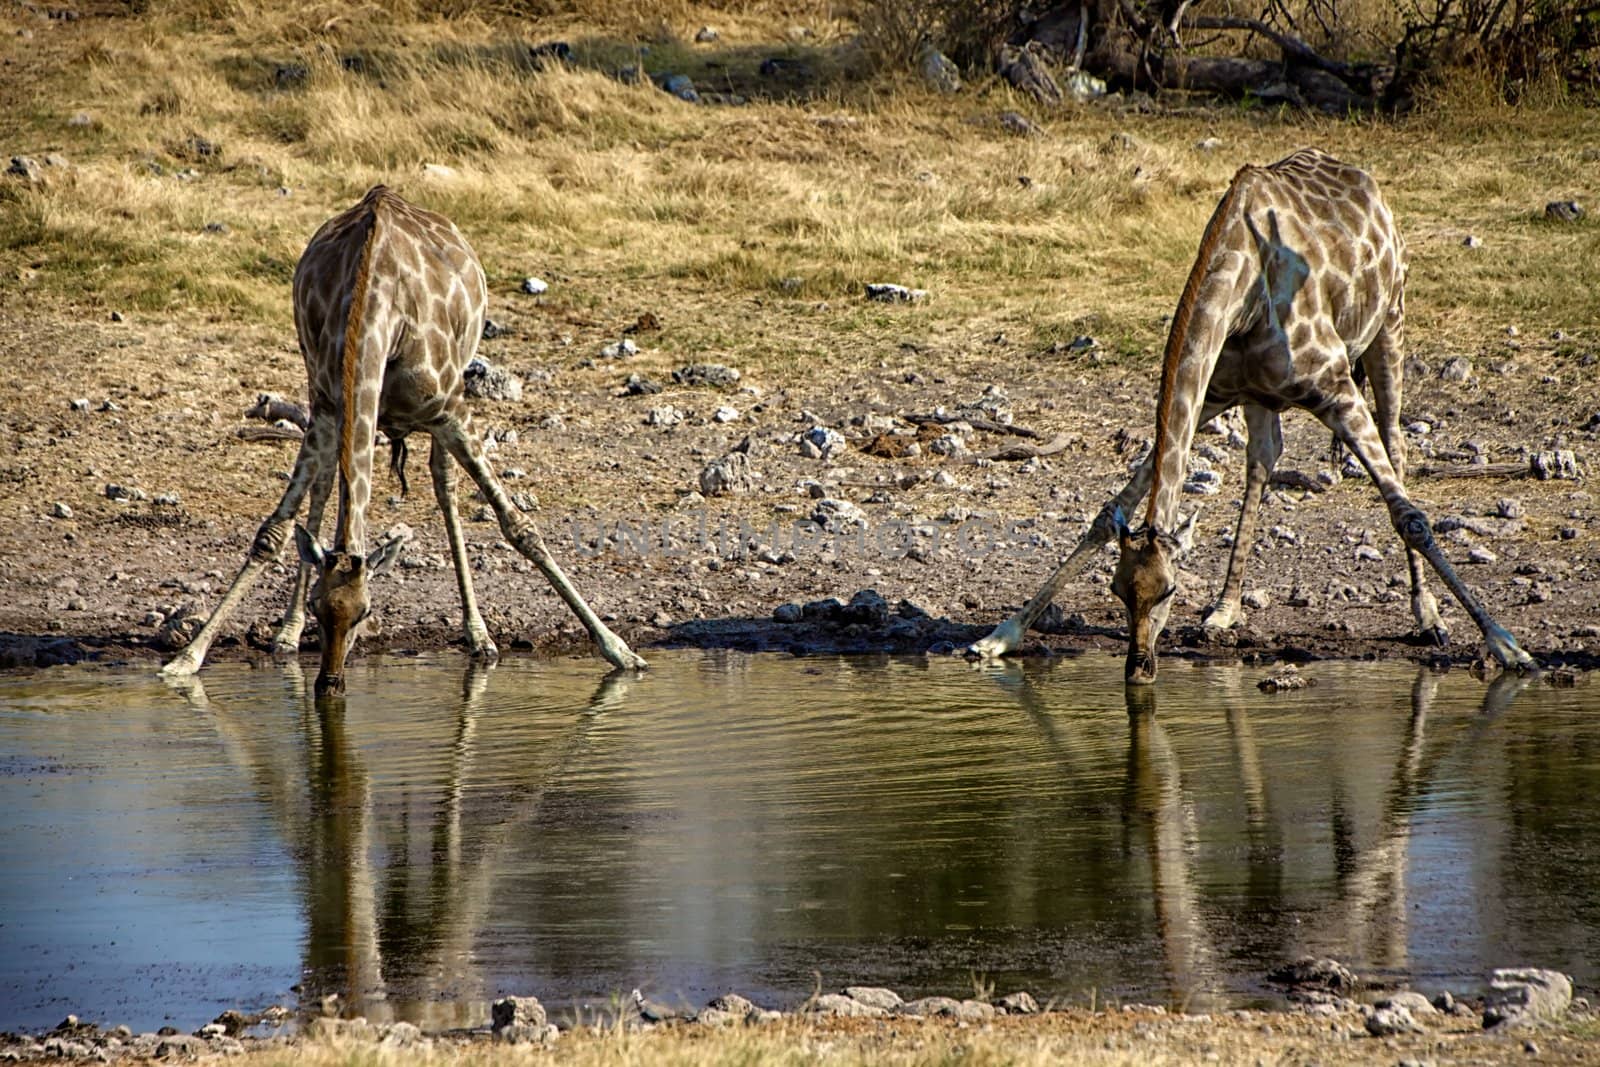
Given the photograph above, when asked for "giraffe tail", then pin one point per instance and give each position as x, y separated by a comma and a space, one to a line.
398, 454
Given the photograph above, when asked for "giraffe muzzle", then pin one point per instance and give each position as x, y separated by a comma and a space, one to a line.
1139, 668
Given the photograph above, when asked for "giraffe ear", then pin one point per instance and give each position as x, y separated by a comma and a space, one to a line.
1120, 522
310, 551
383, 557
1183, 537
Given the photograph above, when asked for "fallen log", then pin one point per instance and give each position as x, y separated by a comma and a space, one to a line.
1018, 452
986, 425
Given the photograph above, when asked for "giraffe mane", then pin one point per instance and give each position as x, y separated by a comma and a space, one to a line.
352, 340
1178, 336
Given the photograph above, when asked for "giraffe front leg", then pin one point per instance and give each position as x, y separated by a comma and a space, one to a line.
524, 536
479, 643
1008, 636
1266, 445
1347, 416
286, 642
268, 543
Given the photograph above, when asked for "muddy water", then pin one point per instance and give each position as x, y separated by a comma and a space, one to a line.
738, 822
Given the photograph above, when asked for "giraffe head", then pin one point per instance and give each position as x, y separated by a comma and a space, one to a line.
340, 600
1145, 580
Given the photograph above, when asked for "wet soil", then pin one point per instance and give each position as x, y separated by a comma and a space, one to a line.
165, 401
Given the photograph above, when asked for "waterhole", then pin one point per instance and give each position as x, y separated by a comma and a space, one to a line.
759, 823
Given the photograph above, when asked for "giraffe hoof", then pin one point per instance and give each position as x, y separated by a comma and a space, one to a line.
181, 667
485, 652
1437, 636
1006, 638
625, 658
282, 650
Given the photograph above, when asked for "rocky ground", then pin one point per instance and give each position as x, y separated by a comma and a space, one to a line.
692, 505
1526, 1013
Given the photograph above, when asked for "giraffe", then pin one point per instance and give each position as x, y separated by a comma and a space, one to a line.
389, 303
1300, 275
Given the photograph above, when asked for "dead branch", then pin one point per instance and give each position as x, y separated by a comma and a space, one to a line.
1018, 452
986, 425
268, 433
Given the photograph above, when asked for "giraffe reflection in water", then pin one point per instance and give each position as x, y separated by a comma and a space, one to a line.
363, 946
1367, 919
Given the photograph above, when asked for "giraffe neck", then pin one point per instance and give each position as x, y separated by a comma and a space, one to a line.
1206, 308
360, 379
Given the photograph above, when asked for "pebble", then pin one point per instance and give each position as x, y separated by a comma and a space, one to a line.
714, 375
492, 329
1471, 241
1386, 1022
821, 442
125, 493
1456, 369
534, 286
1563, 211
706, 35
939, 71
59, 510
80, 404
490, 383
1256, 599
891, 293
729, 476
26, 168
1479, 554
664, 416
620, 349
725, 414
1559, 464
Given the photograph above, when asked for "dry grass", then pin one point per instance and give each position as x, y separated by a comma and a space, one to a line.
1108, 1039
731, 221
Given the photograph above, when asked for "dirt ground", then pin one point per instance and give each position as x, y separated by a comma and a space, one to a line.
165, 402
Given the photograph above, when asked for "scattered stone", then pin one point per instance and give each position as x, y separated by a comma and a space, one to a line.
1203, 483
180, 1046
1315, 972
1549, 466
1019, 1003
1209, 144
664, 416
492, 329
826, 610
890, 293
713, 375
840, 1005
1386, 1022
1415, 1003
79, 404
1522, 995
26, 168
402, 1035
1014, 122
1456, 369
729, 476
725, 414
1509, 508
838, 516
1479, 554
638, 385
491, 383
706, 35
535, 286
932, 1006
788, 613
821, 442
1256, 599
1286, 679
620, 349
680, 86
875, 996
59, 510
1563, 211
439, 172
125, 493
866, 606
938, 70
509, 1011
1299, 598
1471, 241
1368, 554
167, 500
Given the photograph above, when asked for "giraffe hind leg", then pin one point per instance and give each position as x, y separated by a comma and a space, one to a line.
524, 536
286, 642
1266, 445
1347, 415
1383, 362
479, 643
